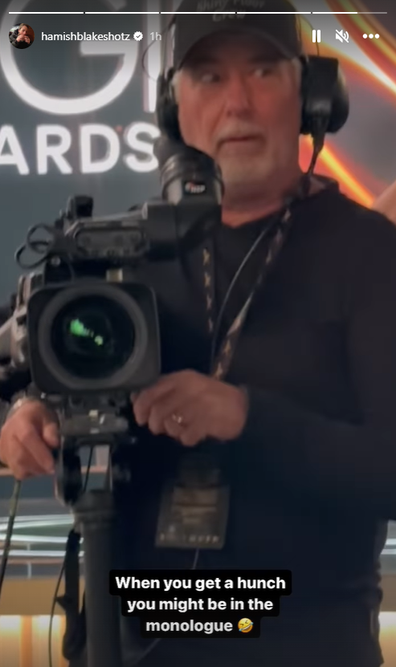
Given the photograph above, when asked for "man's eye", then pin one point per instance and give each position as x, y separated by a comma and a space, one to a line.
263, 71
208, 77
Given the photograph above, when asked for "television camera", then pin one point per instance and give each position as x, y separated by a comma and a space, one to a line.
84, 326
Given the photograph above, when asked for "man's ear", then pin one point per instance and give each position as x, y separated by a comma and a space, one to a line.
386, 203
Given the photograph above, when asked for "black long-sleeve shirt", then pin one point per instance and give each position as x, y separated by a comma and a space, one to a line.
313, 475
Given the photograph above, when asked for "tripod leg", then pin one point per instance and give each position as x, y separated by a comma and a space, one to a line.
95, 513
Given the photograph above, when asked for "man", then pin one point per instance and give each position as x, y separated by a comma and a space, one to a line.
20, 38
303, 425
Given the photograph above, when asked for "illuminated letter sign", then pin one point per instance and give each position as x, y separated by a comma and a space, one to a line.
126, 50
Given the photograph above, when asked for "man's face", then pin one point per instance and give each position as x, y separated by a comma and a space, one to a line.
242, 107
22, 31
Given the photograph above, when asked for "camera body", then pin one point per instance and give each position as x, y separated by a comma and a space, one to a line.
85, 326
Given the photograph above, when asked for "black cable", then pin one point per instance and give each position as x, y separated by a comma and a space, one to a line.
164, 51
54, 600
7, 543
38, 247
52, 613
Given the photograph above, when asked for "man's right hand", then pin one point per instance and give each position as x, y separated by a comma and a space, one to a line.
26, 441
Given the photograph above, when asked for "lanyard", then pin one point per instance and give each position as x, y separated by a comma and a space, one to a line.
277, 232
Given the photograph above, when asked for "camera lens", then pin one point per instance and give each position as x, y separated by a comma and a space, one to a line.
92, 337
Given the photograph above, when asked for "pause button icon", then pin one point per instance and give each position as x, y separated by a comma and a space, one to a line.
316, 35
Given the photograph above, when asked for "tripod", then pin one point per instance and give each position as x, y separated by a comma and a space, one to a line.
95, 515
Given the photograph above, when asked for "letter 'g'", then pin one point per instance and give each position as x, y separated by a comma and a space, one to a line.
127, 50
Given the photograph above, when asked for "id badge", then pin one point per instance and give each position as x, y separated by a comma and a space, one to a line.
194, 506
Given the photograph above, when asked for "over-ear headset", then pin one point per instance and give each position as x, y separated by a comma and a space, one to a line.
324, 94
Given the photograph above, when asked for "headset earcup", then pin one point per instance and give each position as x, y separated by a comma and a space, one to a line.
166, 109
324, 95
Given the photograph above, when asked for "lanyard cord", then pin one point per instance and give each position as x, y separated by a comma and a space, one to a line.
278, 232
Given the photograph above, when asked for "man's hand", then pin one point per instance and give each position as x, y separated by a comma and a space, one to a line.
191, 407
20, 38
27, 439
27, 39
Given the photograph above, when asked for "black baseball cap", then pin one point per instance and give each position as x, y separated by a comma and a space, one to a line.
281, 29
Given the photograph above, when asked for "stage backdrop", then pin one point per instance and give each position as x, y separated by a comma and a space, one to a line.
77, 117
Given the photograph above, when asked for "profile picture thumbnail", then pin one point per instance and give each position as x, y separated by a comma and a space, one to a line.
21, 36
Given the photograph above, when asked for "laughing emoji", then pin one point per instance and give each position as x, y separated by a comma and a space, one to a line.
245, 625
